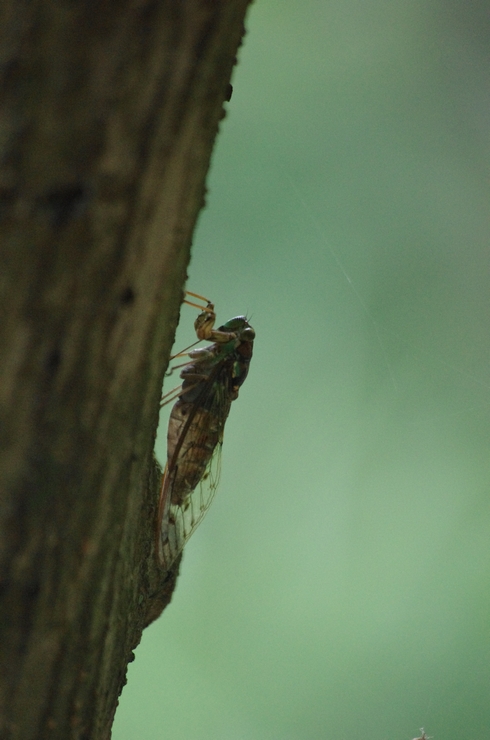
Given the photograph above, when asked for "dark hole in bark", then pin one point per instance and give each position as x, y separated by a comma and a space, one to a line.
53, 361
64, 203
127, 296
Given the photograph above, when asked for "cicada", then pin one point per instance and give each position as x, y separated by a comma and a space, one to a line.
210, 382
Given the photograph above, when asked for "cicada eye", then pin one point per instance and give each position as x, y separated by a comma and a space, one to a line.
248, 334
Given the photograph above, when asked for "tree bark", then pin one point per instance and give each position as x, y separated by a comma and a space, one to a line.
110, 111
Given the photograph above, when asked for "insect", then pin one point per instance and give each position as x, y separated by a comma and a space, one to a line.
210, 382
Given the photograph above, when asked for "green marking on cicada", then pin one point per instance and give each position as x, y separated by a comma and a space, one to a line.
210, 382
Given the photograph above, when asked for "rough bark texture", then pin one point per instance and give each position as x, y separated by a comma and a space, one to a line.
110, 110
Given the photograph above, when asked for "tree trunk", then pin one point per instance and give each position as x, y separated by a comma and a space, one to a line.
110, 111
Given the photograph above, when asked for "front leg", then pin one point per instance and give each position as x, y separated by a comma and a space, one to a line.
204, 327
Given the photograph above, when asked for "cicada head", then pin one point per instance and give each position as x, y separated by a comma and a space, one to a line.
241, 327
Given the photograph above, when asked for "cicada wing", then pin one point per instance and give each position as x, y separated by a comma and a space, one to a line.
179, 515
168, 541
183, 519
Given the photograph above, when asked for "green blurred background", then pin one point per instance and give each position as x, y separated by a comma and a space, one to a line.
339, 586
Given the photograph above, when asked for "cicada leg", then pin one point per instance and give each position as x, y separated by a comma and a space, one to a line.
204, 323
170, 396
208, 316
175, 392
209, 307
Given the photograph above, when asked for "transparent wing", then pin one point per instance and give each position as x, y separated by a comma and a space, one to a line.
194, 462
179, 521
